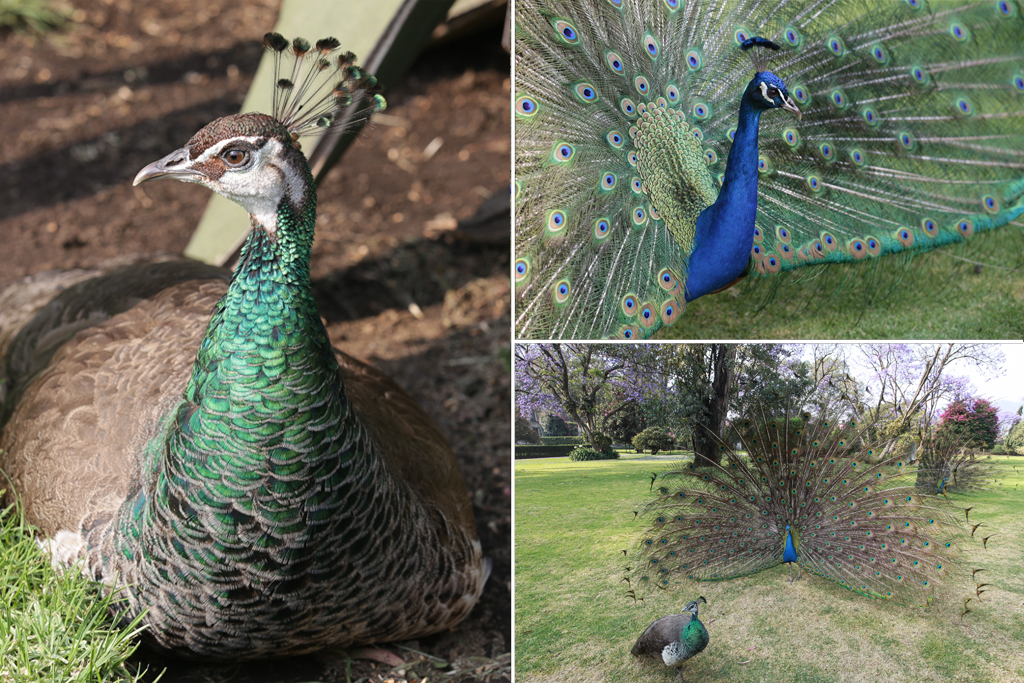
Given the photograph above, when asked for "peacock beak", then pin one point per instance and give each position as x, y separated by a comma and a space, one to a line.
789, 105
174, 165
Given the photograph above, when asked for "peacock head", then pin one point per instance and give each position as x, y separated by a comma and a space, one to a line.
767, 91
691, 607
252, 159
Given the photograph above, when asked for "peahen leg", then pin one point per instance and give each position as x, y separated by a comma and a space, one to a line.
680, 670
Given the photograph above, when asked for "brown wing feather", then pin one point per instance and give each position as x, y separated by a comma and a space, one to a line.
100, 397
659, 634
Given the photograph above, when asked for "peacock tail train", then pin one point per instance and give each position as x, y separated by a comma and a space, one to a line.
804, 492
910, 138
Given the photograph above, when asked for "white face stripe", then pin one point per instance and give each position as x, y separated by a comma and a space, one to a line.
216, 149
764, 91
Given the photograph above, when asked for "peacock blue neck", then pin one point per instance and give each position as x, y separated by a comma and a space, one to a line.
725, 230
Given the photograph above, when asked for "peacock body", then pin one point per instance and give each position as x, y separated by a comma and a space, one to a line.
646, 175
675, 638
804, 493
255, 492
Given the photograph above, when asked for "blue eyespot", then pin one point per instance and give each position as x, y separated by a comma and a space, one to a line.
526, 106
566, 31
693, 60
651, 46
614, 62
585, 91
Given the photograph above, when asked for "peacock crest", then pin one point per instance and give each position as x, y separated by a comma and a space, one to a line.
650, 169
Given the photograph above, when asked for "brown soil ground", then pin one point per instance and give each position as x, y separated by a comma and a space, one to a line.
85, 108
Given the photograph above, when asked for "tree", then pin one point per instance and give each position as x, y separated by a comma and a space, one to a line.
1015, 439
971, 422
626, 423
590, 382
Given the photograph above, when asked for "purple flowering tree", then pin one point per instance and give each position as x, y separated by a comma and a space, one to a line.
590, 382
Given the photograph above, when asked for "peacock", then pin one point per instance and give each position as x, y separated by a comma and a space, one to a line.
189, 438
651, 170
804, 493
676, 637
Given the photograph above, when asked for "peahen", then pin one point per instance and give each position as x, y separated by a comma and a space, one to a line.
650, 170
254, 491
803, 493
676, 637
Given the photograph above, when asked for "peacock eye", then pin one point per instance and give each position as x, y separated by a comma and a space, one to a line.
773, 93
236, 157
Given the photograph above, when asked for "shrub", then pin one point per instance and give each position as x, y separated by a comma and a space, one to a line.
583, 453
653, 438
524, 432
998, 449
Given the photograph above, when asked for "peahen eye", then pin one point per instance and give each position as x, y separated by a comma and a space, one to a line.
236, 157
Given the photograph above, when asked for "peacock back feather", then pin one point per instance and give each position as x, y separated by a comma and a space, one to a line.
909, 139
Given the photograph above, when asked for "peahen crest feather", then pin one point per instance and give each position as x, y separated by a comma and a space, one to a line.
910, 139
805, 492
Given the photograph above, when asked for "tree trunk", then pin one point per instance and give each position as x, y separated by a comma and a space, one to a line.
716, 407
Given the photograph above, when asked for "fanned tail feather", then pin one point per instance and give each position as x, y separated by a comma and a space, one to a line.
863, 526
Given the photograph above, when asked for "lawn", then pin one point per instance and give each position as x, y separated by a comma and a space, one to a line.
53, 625
575, 623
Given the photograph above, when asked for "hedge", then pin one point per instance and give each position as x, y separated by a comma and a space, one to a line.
527, 452
562, 440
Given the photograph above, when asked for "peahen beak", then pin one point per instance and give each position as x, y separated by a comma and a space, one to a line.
174, 165
789, 105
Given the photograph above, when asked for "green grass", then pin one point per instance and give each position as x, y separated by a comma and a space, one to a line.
574, 622
938, 297
54, 625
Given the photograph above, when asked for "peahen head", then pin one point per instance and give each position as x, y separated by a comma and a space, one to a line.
252, 159
255, 159
691, 607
